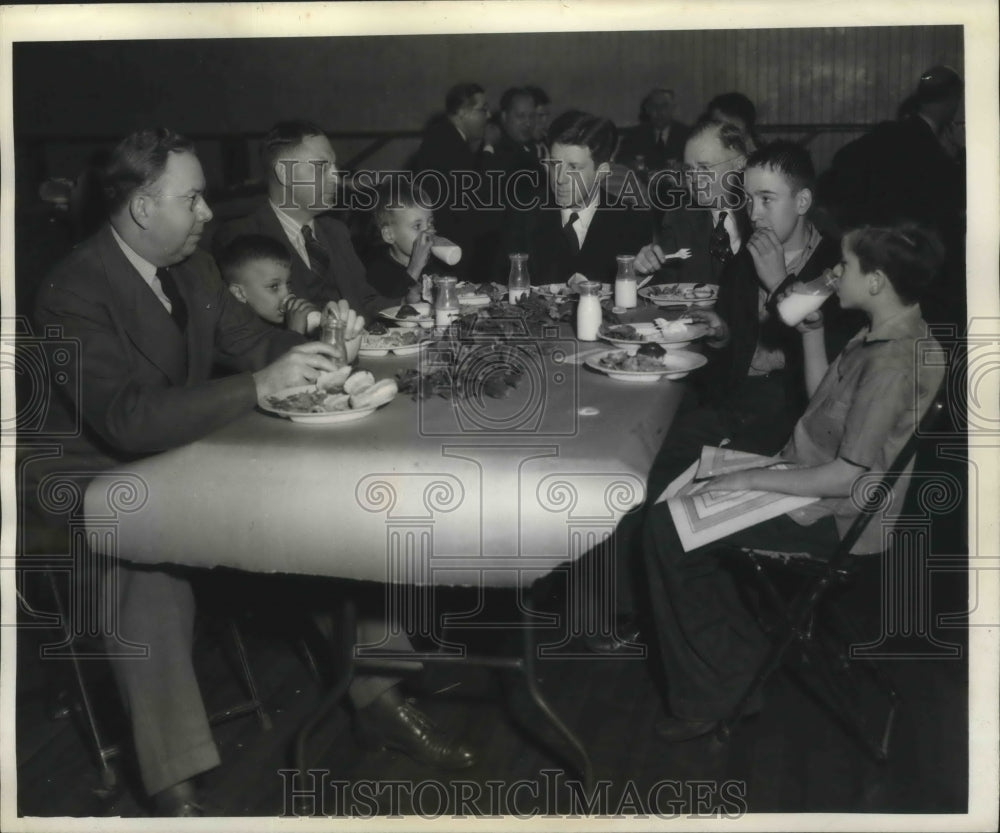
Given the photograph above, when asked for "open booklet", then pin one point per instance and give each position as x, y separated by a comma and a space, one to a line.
702, 515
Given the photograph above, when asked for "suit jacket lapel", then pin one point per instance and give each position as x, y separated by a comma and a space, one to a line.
303, 280
144, 318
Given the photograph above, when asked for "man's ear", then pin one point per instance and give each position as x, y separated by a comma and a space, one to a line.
803, 200
138, 208
877, 281
388, 235
238, 292
280, 169
603, 169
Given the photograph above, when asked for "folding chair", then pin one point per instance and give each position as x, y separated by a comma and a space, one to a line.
104, 749
810, 621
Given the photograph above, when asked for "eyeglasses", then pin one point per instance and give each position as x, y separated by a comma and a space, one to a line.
192, 199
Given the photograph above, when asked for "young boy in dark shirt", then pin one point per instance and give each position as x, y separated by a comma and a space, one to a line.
406, 228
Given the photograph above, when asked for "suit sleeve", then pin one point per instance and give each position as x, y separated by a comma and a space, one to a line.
137, 412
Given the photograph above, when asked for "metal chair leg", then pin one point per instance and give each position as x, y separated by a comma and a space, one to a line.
103, 752
248, 679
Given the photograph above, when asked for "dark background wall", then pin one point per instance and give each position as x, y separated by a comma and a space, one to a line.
100, 89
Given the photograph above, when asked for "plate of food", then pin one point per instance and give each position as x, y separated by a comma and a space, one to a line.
479, 294
410, 315
674, 335
379, 341
563, 291
336, 398
681, 294
646, 365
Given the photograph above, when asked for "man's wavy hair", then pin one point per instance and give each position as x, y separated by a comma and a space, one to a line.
138, 161
595, 133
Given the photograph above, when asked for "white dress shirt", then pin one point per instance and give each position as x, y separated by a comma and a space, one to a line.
146, 270
293, 231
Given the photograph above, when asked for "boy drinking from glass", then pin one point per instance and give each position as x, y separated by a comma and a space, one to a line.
256, 268
864, 407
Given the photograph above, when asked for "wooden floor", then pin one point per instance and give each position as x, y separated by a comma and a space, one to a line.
793, 757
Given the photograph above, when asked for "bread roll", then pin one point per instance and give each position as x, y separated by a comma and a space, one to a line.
332, 381
375, 395
358, 382
337, 402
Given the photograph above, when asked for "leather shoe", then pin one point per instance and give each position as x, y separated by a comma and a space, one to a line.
178, 801
627, 636
394, 723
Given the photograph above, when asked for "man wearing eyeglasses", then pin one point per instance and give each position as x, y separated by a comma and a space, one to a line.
707, 216
150, 312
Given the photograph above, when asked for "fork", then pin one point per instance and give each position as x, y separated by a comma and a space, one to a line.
680, 254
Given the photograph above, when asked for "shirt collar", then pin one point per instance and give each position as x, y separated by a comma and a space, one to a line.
145, 269
907, 323
292, 227
584, 215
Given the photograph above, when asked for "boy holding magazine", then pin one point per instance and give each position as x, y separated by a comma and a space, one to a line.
863, 408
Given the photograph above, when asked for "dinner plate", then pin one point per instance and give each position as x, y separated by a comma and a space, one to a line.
426, 319
476, 299
327, 418
377, 346
564, 291
676, 365
678, 295
651, 334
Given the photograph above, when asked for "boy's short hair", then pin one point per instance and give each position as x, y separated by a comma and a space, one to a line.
285, 135
910, 255
248, 248
394, 195
731, 136
789, 159
595, 133
459, 96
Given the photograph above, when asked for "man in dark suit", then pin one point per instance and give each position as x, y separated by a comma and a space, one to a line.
584, 231
514, 153
150, 312
707, 217
658, 139
450, 166
301, 170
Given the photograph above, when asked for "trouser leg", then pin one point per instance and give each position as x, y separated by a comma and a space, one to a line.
366, 688
710, 644
173, 739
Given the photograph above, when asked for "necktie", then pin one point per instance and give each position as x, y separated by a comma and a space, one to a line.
319, 257
719, 244
570, 232
178, 309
